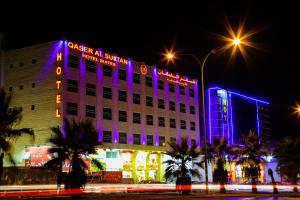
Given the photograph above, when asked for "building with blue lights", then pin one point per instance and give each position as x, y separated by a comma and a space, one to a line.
232, 114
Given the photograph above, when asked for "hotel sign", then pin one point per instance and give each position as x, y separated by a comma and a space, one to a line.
58, 73
175, 78
97, 55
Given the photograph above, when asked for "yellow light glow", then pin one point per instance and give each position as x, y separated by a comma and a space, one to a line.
296, 109
170, 56
237, 40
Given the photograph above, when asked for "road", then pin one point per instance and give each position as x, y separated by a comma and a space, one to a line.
15, 191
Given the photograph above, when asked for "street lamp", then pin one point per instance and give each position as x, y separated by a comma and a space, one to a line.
235, 42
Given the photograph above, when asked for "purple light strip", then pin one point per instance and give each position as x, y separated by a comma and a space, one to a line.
99, 106
257, 121
130, 93
198, 140
209, 112
115, 104
231, 119
187, 103
155, 89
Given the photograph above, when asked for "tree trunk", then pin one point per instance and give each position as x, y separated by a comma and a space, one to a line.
295, 184
1, 166
275, 190
222, 187
254, 188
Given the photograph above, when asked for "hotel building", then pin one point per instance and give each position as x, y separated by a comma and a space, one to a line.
136, 108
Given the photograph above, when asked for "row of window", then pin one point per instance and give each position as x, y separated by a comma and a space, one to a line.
107, 138
33, 61
107, 115
136, 98
21, 87
74, 85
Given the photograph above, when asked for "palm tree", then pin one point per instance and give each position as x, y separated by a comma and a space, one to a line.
217, 152
250, 155
270, 173
182, 162
9, 119
288, 159
80, 139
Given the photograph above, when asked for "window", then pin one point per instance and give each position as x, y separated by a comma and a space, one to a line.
122, 138
161, 121
181, 90
172, 123
73, 61
171, 87
10, 89
90, 89
72, 85
107, 136
136, 139
107, 113
71, 108
182, 107
191, 92
161, 103
21, 87
150, 140
107, 93
122, 74
160, 84
122, 116
111, 154
148, 81
136, 78
90, 111
122, 95
137, 118
173, 140
21, 64
162, 140
193, 126
32, 107
193, 142
32, 85
107, 70
192, 110
136, 99
11, 66
182, 124
33, 61
90, 66
172, 105
149, 101
149, 119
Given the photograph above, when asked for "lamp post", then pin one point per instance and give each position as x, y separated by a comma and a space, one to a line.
235, 42
201, 65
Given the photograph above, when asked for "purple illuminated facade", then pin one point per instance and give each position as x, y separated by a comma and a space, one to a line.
135, 107
232, 114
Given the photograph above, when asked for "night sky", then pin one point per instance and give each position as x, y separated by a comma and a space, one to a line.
142, 32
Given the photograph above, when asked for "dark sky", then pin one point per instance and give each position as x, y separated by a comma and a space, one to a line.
142, 32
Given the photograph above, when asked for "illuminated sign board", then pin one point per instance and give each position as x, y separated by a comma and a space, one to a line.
97, 55
58, 73
175, 78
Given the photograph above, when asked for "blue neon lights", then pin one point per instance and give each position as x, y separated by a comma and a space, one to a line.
215, 122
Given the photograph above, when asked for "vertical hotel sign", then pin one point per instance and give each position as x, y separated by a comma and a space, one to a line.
58, 74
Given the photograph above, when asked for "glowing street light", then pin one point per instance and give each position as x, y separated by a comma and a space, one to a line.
235, 41
296, 110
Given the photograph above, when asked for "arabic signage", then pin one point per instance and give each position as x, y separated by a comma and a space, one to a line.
175, 78
97, 55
